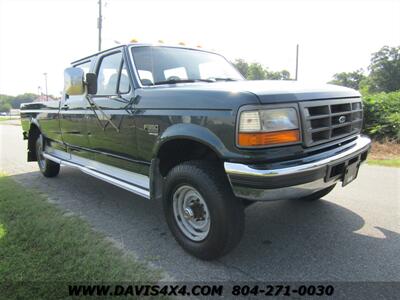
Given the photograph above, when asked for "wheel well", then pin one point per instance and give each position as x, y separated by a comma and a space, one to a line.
33, 134
177, 151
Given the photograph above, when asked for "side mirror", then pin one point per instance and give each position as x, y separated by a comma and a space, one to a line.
91, 81
73, 81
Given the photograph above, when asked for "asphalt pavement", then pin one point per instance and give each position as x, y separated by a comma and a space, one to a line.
353, 234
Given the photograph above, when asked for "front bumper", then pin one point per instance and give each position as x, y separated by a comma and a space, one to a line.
295, 178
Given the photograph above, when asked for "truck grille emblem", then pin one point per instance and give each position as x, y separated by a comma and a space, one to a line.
342, 119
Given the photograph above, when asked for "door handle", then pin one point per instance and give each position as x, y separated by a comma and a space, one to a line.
65, 107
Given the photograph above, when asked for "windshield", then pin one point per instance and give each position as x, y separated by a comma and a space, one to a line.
167, 65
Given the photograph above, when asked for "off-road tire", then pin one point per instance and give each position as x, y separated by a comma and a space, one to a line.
225, 210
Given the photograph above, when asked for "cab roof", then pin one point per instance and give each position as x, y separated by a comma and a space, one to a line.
141, 45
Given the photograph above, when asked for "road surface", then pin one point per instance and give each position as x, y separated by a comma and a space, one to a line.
353, 234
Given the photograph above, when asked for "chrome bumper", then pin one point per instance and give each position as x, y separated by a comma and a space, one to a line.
297, 178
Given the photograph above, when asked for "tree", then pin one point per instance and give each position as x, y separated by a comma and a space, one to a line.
256, 72
349, 79
242, 66
24, 98
5, 102
385, 70
4, 106
279, 75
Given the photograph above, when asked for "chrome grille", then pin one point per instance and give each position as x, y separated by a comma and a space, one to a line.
327, 120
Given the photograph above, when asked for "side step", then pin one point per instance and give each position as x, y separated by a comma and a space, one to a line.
102, 176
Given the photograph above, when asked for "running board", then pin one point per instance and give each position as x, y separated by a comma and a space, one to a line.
110, 179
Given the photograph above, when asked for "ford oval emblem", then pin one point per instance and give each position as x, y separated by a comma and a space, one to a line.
342, 119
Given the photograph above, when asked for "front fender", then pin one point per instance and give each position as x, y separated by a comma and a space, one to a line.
175, 132
191, 132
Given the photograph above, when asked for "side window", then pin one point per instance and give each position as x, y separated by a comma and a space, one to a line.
124, 86
107, 75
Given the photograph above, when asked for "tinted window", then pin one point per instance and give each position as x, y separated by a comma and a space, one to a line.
107, 76
124, 86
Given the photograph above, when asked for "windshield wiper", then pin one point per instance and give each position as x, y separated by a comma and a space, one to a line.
173, 81
223, 79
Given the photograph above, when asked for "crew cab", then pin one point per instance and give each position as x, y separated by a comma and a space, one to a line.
181, 125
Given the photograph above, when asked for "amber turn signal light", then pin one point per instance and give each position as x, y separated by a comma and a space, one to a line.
248, 139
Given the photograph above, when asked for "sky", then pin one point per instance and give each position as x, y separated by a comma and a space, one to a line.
44, 36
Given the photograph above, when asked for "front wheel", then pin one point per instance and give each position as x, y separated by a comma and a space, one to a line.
204, 216
47, 167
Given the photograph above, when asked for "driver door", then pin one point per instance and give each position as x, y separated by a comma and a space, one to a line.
73, 121
111, 126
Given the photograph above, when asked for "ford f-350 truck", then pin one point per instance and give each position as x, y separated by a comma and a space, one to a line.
183, 126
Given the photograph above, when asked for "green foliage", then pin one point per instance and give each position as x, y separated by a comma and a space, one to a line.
382, 115
349, 79
384, 73
256, 71
384, 162
385, 70
15, 101
242, 66
4, 106
381, 93
5, 103
24, 98
279, 75
6, 98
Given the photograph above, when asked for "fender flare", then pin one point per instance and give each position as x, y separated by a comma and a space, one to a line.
192, 132
31, 152
36, 123
175, 132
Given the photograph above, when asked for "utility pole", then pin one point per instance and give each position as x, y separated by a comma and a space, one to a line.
99, 24
45, 81
297, 61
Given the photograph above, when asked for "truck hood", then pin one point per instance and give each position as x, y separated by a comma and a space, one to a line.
270, 91
276, 91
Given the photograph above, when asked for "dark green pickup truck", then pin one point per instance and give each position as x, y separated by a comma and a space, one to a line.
183, 126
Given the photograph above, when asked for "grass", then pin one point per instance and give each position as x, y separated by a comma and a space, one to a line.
7, 118
42, 250
385, 162
385, 154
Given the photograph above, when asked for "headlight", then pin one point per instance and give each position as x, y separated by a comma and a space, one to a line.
268, 127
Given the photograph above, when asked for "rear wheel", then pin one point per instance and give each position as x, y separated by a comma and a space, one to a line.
318, 195
47, 167
204, 216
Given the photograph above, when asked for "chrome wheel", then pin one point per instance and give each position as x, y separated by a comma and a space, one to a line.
191, 213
